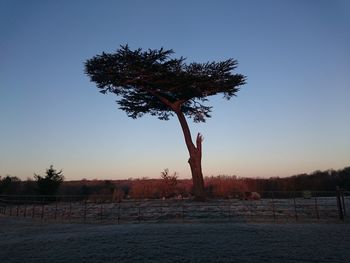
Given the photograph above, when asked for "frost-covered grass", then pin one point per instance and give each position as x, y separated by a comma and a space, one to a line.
28, 241
105, 211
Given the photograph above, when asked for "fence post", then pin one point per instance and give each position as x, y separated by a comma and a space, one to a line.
316, 208
70, 209
295, 208
101, 211
229, 212
161, 209
343, 202
85, 211
183, 212
42, 209
118, 213
25, 210
139, 213
56, 208
251, 209
340, 204
273, 207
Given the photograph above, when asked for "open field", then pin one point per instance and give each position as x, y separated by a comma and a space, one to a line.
27, 241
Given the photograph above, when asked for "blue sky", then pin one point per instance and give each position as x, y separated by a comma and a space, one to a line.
292, 116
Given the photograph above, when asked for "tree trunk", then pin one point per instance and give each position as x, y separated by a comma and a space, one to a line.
195, 160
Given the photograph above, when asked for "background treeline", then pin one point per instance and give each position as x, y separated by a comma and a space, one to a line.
169, 186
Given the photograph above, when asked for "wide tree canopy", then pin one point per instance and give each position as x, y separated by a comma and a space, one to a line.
147, 81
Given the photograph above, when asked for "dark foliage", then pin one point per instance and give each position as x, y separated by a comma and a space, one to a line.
10, 185
49, 184
317, 181
146, 81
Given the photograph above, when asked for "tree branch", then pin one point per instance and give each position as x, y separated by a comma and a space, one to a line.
175, 106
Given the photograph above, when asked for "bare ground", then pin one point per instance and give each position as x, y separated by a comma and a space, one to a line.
27, 241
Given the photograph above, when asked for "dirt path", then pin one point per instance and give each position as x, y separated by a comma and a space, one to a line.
24, 241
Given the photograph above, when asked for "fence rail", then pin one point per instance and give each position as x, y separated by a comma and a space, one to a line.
272, 207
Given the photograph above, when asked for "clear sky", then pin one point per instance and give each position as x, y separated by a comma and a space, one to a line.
292, 116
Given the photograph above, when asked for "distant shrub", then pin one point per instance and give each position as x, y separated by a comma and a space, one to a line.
10, 185
169, 183
223, 186
145, 188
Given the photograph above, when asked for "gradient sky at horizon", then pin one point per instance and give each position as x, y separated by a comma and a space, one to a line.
292, 116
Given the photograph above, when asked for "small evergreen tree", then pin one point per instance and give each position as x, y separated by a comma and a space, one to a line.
49, 184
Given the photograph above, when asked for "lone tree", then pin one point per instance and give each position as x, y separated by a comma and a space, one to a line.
152, 82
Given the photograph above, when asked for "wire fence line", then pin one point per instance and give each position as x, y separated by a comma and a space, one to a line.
271, 207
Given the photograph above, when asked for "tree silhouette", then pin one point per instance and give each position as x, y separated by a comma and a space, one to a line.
151, 82
9, 184
49, 184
